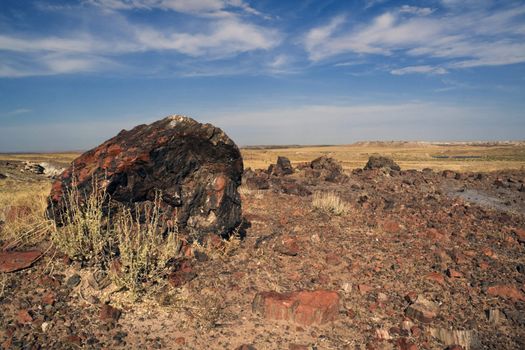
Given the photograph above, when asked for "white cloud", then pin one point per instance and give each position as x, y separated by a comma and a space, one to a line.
16, 112
414, 10
419, 69
465, 39
279, 61
194, 7
226, 37
93, 49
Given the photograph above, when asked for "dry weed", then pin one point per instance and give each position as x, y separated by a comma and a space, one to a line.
144, 248
22, 207
329, 202
85, 234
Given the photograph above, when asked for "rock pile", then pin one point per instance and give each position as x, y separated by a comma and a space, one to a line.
195, 169
380, 162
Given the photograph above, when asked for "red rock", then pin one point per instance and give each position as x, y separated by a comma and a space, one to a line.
416, 331
14, 261
391, 226
364, 288
454, 274
332, 259
288, 246
180, 340
489, 252
483, 265
436, 277
404, 344
520, 233
182, 276
24, 317
48, 298
506, 291
302, 307
436, 235
109, 313
74, 339
422, 310
323, 278
48, 281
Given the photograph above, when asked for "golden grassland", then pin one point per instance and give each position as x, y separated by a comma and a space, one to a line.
407, 155
60, 158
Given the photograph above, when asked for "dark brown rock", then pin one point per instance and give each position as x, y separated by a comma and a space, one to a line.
294, 188
109, 314
282, 167
328, 169
195, 167
14, 261
246, 347
256, 180
380, 162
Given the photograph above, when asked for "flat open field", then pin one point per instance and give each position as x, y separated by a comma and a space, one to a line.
409, 155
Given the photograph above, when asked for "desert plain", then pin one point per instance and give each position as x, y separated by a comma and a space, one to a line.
430, 256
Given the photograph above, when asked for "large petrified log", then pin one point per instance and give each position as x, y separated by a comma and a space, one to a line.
196, 168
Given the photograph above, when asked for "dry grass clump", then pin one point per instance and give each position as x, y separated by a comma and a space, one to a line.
329, 202
22, 207
144, 248
136, 246
85, 234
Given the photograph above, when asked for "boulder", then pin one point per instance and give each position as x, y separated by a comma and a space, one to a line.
256, 180
193, 169
380, 162
282, 167
328, 169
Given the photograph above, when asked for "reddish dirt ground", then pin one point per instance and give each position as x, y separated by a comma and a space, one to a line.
421, 260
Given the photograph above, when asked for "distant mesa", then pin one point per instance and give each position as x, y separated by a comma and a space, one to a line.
195, 169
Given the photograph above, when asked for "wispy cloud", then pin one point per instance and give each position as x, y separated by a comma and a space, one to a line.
225, 37
217, 8
16, 112
414, 10
224, 34
419, 69
466, 39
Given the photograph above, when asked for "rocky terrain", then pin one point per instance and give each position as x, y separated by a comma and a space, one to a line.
404, 259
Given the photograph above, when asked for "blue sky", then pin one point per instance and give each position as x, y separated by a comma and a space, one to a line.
74, 73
